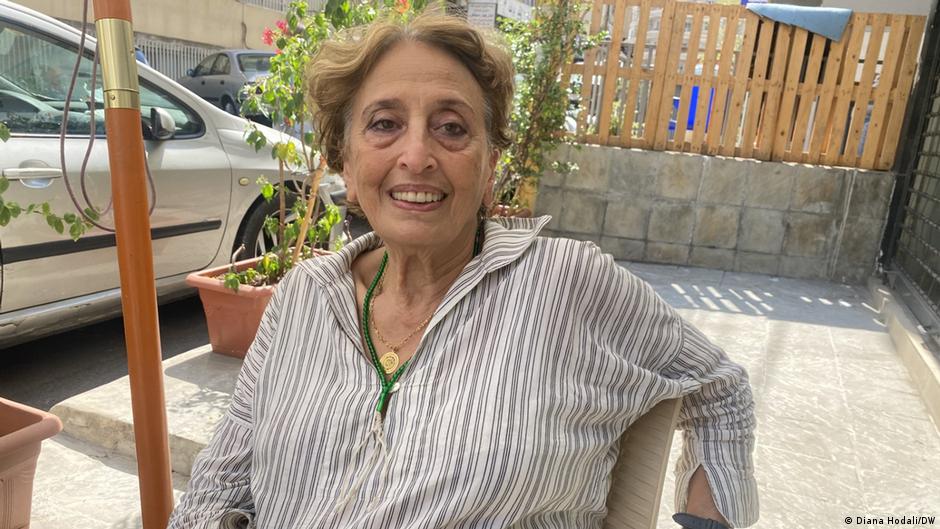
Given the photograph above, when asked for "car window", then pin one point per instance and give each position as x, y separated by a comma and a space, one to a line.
254, 62
205, 66
34, 78
221, 66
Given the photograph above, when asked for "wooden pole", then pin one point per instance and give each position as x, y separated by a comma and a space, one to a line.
135, 257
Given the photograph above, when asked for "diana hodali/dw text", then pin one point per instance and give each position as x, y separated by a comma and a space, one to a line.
894, 520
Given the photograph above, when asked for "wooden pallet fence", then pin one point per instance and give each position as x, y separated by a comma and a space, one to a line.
717, 79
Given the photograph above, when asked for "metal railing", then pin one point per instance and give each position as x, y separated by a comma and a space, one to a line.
173, 58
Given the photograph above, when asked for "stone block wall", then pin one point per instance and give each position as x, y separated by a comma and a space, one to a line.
731, 214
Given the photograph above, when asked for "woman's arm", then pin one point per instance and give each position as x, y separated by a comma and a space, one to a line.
221, 474
700, 501
715, 473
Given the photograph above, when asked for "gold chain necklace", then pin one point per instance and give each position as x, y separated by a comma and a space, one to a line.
390, 360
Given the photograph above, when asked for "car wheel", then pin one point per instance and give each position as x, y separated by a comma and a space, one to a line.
229, 106
256, 240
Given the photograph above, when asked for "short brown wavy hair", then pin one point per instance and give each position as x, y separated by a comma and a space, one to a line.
336, 72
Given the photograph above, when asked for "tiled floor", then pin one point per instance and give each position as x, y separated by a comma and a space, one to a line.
841, 430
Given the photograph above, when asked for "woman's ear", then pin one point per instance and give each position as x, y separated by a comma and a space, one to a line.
488, 191
350, 184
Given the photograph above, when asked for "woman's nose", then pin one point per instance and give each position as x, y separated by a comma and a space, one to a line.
416, 155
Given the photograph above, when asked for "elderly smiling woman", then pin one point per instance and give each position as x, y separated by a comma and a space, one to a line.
448, 370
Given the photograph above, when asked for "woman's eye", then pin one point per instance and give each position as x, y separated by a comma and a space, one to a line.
453, 129
383, 125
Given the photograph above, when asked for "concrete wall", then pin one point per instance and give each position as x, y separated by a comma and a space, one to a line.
222, 23
731, 214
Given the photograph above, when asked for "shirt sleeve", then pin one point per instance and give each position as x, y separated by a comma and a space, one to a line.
717, 416
717, 421
221, 472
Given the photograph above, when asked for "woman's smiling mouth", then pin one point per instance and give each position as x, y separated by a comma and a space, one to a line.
417, 198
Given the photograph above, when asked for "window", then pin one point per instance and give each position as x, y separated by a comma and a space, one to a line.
35, 71
254, 62
222, 65
205, 66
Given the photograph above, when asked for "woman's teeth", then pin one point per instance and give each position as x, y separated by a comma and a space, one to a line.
418, 198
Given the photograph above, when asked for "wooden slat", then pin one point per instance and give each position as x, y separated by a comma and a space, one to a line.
636, 73
778, 69
785, 117
756, 90
808, 91
664, 82
590, 56
739, 88
610, 75
707, 80
862, 93
687, 79
902, 92
838, 52
886, 81
723, 83
845, 91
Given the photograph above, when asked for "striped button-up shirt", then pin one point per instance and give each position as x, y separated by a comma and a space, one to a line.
541, 354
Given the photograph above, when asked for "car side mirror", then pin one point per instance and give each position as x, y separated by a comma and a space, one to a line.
190, 72
162, 125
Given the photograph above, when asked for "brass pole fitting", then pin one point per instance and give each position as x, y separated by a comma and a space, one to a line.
119, 63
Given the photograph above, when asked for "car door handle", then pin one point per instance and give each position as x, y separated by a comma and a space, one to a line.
32, 173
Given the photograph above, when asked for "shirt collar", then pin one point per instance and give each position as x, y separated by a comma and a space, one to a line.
506, 239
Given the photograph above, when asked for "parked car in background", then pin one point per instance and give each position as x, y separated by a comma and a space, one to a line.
219, 78
205, 176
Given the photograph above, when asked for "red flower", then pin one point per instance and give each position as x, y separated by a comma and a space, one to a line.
282, 25
402, 6
277, 52
268, 36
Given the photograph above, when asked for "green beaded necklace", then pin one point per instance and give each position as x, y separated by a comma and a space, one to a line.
389, 383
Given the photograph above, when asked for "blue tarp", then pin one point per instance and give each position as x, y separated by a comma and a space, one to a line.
829, 22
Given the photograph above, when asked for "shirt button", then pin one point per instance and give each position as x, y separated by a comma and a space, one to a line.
396, 386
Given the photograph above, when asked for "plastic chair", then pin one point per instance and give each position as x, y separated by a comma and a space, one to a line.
636, 485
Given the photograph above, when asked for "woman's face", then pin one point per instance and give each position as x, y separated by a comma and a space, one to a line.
417, 157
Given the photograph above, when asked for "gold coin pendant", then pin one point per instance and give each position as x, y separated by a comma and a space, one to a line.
389, 362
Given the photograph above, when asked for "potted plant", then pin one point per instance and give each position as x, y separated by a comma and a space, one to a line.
22, 431
540, 48
234, 296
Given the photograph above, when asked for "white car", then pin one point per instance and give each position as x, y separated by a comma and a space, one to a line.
205, 176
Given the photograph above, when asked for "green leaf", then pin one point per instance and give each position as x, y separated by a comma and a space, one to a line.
76, 230
14, 208
91, 213
230, 280
58, 226
4, 216
69, 218
267, 191
4, 132
4, 184
46, 210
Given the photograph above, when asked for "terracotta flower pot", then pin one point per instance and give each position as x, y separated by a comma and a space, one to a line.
232, 317
22, 430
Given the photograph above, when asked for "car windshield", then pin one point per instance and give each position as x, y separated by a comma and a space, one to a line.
255, 62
